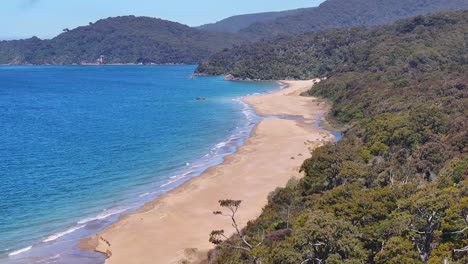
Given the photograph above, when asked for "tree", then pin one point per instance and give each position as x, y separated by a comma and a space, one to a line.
397, 250
428, 208
218, 238
325, 239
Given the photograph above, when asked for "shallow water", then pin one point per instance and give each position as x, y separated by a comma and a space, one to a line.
81, 145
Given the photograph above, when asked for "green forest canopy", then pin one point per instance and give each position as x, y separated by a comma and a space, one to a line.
146, 40
348, 13
395, 188
308, 55
127, 39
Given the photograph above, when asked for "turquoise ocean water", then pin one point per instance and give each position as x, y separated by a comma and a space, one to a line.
81, 145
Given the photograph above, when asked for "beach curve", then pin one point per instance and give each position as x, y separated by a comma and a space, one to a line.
175, 227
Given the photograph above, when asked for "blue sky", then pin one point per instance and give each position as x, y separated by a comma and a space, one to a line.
47, 18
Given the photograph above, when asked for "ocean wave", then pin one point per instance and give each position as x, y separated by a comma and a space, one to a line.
168, 183
103, 215
183, 175
147, 194
176, 178
47, 260
20, 251
247, 109
234, 138
61, 234
248, 113
220, 145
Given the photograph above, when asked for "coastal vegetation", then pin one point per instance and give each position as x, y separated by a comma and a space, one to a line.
395, 188
308, 55
126, 39
219, 238
145, 40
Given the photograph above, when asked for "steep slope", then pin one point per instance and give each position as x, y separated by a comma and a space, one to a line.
126, 39
395, 188
347, 13
307, 55
236, 23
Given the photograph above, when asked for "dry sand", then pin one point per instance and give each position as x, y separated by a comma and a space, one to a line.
288, 101
176, 226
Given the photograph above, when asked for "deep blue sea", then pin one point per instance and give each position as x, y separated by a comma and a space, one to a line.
81, 145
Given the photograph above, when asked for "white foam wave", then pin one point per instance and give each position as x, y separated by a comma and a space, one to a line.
248, 114
20, 251
47, 260
147, 194
168, 183
61, 234
177, 178
220, 145
182, 175
103, 215
246, 110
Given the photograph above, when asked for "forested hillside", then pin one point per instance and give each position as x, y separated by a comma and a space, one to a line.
348, 13
236, 23
395, 188
126, 39
308, 55
133, 39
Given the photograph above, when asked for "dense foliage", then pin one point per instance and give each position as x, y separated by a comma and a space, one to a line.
395, 188
308, 55
132, 39
236, 23
120, 40
347, 13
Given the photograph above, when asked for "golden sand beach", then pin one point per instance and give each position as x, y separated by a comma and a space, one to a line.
176, 226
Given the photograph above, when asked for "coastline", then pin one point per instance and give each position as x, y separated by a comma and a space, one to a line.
175, 226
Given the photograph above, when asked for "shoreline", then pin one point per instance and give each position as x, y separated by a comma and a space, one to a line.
176, 225
65, 239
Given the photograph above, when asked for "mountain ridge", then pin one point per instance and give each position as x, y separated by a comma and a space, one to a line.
236, 23
346, 13
145, 40
123, 39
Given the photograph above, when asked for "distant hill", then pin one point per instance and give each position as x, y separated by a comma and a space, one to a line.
312, 54
127, 39
236, 23
347, 13
131, 39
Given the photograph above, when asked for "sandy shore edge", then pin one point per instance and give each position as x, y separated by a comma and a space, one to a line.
174, 227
